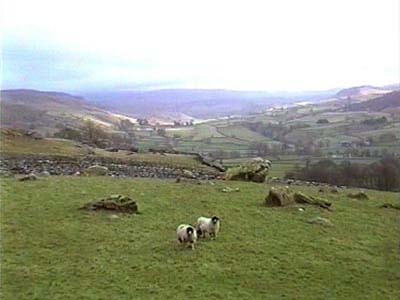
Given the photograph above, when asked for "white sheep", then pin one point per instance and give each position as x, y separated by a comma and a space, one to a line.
186, 235
208, 225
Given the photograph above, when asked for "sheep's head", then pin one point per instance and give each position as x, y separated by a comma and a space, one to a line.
214, 219
189, 231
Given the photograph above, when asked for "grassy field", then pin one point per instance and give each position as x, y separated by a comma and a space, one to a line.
52, 250
21, 145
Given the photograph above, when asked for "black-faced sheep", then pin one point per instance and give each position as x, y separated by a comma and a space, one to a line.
186, 235
208, 225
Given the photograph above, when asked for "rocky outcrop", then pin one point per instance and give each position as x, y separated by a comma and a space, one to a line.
283, 197
278, 197
256, 170
203, 158
116, 203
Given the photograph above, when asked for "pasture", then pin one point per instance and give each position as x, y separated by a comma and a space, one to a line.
52, 250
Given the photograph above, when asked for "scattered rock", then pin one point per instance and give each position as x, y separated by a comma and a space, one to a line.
96, 170
282, 197
28, 177
278, 197
228, 189
361, 195
334, 190
117, 203
300, 197
45, 174
256, 170
289, 181
114, 216
390, 205
188, 174
34, 134
320, 221
209, 161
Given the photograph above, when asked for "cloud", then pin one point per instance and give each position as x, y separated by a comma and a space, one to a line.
264, 45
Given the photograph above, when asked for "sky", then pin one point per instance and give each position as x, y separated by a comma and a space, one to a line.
286, 45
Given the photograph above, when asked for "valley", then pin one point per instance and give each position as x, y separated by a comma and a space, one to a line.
355, 126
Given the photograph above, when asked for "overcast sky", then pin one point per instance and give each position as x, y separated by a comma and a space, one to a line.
244, 45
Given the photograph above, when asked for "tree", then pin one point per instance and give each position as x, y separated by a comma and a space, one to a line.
387, 137
93, 132
69, 134
323, 121
383, 174
126, 125
161, 132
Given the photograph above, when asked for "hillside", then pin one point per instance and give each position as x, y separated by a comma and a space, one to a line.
388, 101
364, 90
53, 250
16, 145
360, 131
45, 111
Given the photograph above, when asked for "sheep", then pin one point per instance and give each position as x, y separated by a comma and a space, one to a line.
186, 234
208, 225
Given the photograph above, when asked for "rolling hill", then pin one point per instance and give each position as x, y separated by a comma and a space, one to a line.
364, 90
198, 103
386, 102
43, 111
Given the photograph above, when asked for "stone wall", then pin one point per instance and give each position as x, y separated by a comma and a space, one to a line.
63, 166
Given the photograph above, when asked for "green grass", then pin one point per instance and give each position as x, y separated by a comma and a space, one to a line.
52, 250
242, 133
204, 131
21, 145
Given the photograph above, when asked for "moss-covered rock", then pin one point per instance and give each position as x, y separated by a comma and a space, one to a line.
283, 197
256, 170
116, 203
302, 198
320, 221
278, 197
360, 195
390, 205
188, 174
96, 170
28, 177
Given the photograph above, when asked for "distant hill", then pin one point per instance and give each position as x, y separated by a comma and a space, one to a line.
363, 90
197, 103
383, 103
43, 111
